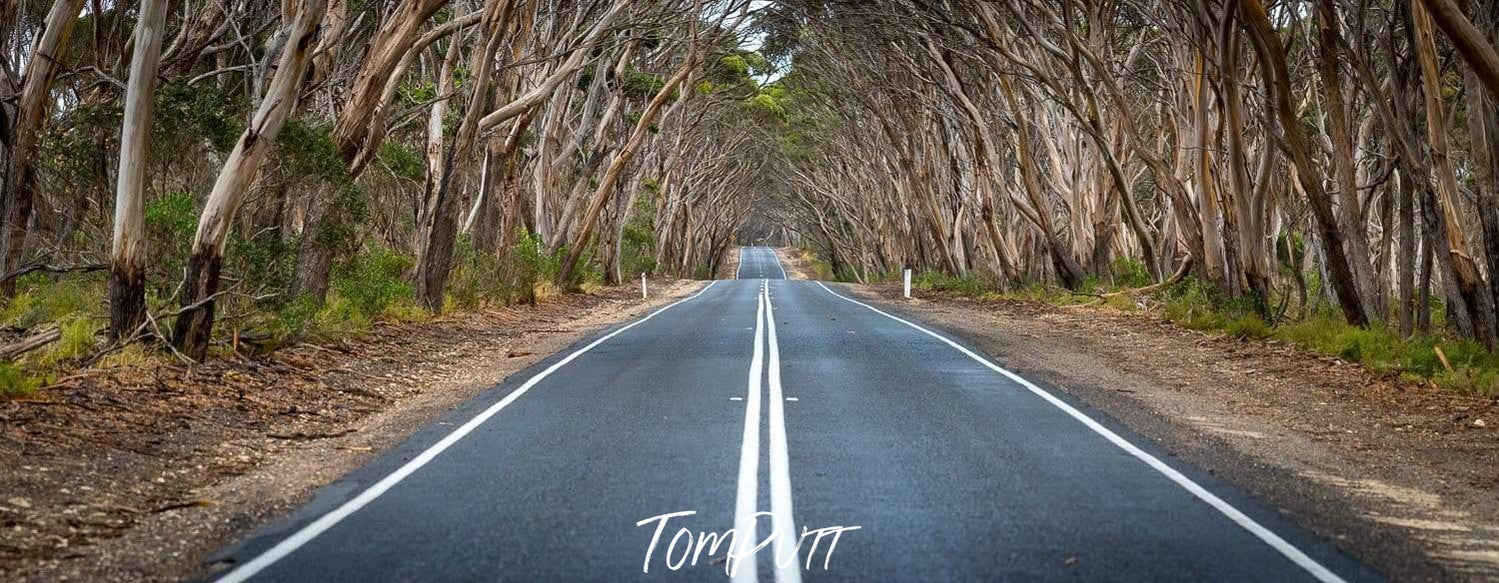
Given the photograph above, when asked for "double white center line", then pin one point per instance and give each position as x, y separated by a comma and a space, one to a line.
746, 540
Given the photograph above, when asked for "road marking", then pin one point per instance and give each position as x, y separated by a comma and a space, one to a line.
327, 521
1264, 534
748, 495
782, 518
740, 267
777, 258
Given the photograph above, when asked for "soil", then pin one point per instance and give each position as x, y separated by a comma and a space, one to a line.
1403, 475
136, 473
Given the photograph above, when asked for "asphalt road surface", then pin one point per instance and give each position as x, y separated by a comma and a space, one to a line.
856, 445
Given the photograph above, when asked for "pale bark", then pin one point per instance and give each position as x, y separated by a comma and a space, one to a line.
33, 105
194, 324
127, 283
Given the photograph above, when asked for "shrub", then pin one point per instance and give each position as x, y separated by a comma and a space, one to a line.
637, 253
375, 280
15, 383
171, 221
1247, 327
1129, 272
1470, 380
77, 338
43, 299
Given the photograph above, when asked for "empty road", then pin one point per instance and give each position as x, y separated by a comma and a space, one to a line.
897, 452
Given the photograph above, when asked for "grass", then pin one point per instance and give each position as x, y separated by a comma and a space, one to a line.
15, 383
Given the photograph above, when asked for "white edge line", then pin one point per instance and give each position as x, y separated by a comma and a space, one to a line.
327, 521
1270, 538
777, 257
740, 266
784, 519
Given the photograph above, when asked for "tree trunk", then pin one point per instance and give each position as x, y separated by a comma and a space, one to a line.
1471, 302
1275, 74
33, 103
351, 132
127, 281
1356, 242
441, 227
606, 184
194, 324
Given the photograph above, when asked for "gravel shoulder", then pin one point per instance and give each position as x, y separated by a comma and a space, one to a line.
1402, 475
794, 263
137, 473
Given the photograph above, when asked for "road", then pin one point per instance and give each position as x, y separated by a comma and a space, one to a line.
898, 453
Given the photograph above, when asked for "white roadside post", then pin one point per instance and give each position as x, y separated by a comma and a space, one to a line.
908, 284
643, 295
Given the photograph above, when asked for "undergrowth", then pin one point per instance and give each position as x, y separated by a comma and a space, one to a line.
373, 284
1468, 368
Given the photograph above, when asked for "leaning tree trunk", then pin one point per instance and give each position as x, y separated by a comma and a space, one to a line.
195, 322
617, 166
1472, 301
127, 282
351, 132
19, 196
441, 225
1275, 74
1344, 173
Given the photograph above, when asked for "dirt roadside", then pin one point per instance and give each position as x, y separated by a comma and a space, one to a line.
794, 263
1402, 475
138, 473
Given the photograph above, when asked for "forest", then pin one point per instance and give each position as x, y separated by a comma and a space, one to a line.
208, 177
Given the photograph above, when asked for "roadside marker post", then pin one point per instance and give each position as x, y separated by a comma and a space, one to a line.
908, 284
643, 294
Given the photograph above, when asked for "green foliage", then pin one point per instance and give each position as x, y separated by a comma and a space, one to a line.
43, 299
1129, 272
638, 245
642, 85
78, 337
415, 93
371, 286
402, 162
1470, 380
970, 284
1378, 347
15, 383
533, 262
198, 111
375, 280
765, 104
1247, 327
171, 221
734, 65
309, 151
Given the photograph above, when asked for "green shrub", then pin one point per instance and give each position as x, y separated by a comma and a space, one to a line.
1129, 272
374, 280
1247, 327
171, 221
78, 337
1470, 380
637, 253
15, 383
43, 299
